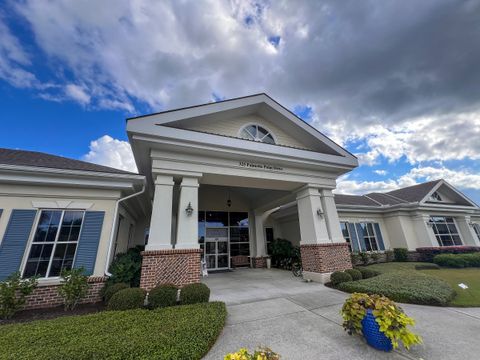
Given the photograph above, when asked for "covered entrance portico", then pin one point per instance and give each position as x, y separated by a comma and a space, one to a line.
212, 192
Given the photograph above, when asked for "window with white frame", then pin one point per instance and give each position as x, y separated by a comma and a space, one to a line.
476, 227
436, 197
54, 243
368, 235
346, 234
445, 230
362, 236
257, 133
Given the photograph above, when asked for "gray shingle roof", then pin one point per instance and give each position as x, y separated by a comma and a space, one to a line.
404, 195
38, 159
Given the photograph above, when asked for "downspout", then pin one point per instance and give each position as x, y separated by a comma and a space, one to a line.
114, 225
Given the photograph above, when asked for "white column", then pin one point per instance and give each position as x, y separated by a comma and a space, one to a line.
187, 225
467, 232
260, 235
313, 229
424, 232
331, 216
161, 221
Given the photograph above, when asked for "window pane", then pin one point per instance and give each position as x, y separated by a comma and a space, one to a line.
239, 234
442, 229
452, 228
268, 139
216, 218
238, 219
41, 233
64, 233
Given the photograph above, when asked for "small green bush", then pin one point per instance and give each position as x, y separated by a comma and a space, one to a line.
404, 286
374, 256
180, 332
194, 293
126, 299
111, 289
472, 260
355, 274
367, 273
339, 277
73, 287
389, 255
127, 267
162, 296
13, 293
364, 257
427, 267
400, 254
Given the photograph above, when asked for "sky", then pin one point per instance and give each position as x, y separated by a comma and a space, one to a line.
397, 83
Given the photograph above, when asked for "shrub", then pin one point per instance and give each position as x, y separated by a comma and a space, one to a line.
400, 254
339, 277
283, 253
364, 257
181, 332
13, 293
374, 256
111, 289
458, 260
367, 273
428, 253
392, 320
389, 255
194, 293
73, 287
427, 267
355, 274
126, 299
162, 296
404, 286
127, 267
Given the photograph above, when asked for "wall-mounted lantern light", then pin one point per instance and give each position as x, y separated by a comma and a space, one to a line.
430, 223
320, 213
189, 209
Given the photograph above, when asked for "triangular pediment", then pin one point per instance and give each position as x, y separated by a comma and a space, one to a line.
228, 118
445, 194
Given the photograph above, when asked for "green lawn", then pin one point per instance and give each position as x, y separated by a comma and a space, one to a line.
178, 332
468, 276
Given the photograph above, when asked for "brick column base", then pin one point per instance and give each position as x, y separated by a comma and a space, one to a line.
176, 266
45, 296
320, 260
259, 262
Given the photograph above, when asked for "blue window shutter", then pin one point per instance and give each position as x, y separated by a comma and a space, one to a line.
15, 241
88, 241
1, 210
379, 237
361, 239
353, 237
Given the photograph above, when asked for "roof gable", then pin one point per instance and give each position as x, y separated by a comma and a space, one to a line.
202, 118
415, 193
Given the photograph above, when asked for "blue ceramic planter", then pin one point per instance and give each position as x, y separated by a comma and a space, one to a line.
373, 335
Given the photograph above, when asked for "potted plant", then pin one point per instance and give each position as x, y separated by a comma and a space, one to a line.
382, 322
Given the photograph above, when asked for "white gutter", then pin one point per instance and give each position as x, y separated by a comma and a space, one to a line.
114, 225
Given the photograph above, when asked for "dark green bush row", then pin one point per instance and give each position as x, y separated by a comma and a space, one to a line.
404, 286
458, 260
185, 332
427, 267
127, 299
367, 273
355, 274
339, 277
163, 296
428, 253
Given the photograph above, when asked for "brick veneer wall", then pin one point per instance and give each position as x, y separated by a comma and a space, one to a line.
325, 258
177, 266
259, 262
45, 296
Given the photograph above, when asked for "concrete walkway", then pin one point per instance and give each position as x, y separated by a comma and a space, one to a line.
301, 321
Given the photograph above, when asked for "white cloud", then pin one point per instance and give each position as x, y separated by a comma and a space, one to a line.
459, 178
111, 152
77, 93
381, 172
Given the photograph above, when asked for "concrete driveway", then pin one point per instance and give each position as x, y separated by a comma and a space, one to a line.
301, 321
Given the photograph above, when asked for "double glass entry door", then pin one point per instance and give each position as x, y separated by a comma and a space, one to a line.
216, 248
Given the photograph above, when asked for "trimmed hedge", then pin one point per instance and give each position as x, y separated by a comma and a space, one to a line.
428, 253
127, 299
162, 296
194, 293
186, 332
427, 267
458, 260
355, 274
338, 277
404, 286
111, 289
367, 273
400, 254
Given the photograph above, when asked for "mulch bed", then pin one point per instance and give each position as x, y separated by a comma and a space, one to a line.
52, 313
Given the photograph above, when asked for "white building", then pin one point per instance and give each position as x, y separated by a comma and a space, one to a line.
219, 181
